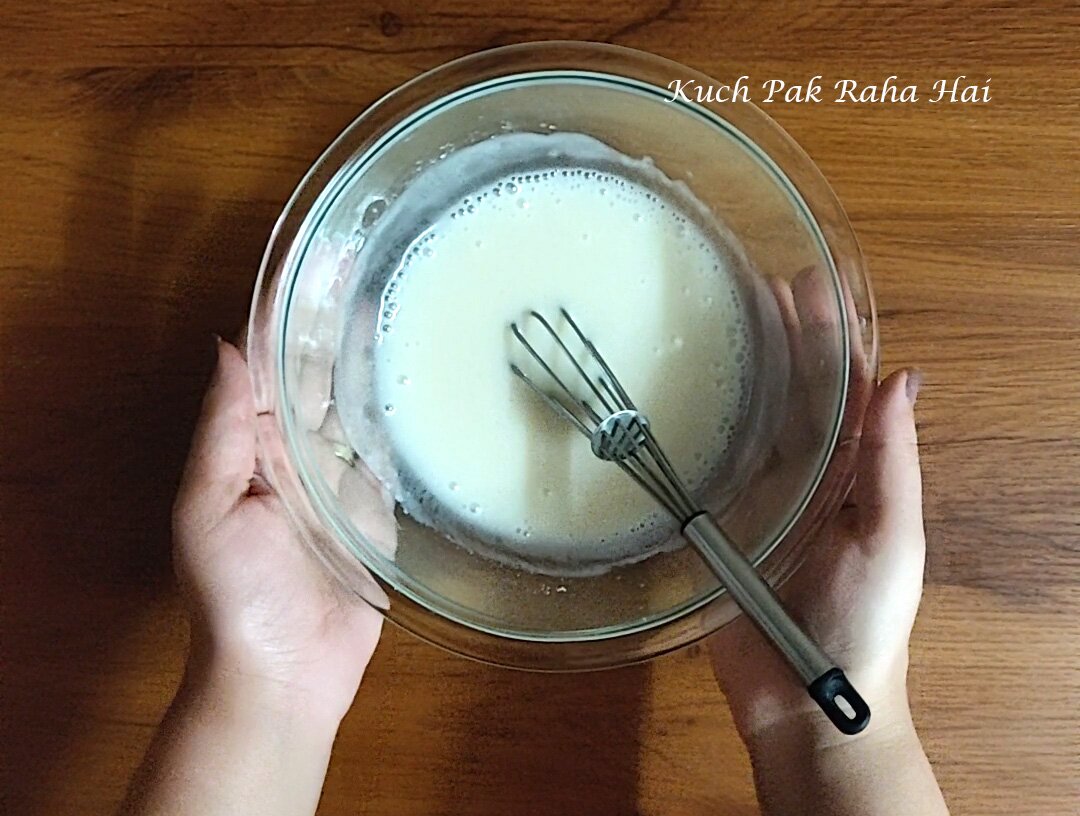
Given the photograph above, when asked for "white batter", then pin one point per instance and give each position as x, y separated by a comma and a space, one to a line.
643, 282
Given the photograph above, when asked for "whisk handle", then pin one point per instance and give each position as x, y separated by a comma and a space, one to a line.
825, 683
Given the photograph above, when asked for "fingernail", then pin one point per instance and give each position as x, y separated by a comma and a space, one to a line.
218, 343
913, 384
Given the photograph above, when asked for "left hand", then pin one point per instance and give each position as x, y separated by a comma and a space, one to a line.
263, 609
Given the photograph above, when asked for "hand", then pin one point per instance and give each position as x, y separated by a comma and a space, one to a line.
263, 610
859, 589
858, 592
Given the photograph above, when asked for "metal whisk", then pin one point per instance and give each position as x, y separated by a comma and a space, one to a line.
619, 432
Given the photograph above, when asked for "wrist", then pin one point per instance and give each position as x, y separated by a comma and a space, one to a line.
247, 691
771, 725
770, 700
233, 742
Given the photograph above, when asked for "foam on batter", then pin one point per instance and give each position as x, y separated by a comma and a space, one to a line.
655, 290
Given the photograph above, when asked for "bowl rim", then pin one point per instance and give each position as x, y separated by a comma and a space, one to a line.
393, 114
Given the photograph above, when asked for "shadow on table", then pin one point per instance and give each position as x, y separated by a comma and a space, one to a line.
486, 741
106, 360
548, 744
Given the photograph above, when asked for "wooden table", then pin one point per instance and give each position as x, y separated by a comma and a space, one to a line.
147, 148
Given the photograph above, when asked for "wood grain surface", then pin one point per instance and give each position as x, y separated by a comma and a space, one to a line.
146, 150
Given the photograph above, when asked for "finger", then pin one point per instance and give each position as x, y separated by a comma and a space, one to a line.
221, 461
888, 482
785, 303
820, 364
781, 290
860, 363
815, 302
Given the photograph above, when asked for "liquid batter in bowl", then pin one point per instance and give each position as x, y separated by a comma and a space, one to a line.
645, 271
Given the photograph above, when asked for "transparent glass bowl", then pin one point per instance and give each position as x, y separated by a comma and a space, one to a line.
803, 285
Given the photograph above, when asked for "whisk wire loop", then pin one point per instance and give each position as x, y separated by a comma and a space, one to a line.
618, 431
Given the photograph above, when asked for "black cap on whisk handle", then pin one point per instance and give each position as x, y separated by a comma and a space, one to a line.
831, 692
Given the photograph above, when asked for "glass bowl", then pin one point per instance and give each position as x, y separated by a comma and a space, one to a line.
803, 284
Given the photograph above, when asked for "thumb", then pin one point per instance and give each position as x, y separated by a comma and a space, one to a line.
888, 485
221, 461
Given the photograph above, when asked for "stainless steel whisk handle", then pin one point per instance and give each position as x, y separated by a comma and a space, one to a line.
824, 681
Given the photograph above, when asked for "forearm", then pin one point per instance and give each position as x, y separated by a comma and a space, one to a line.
231, 744
802, 768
